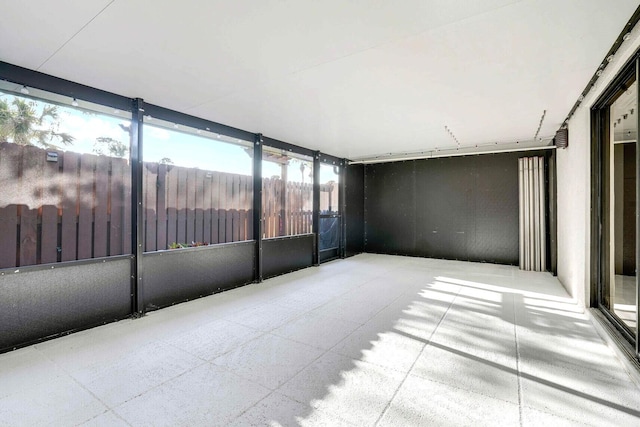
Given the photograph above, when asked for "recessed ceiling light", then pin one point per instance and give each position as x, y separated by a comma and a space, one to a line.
24, 90
74, 102
626, 36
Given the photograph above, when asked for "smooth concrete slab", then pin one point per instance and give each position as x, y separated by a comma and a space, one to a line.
371, 340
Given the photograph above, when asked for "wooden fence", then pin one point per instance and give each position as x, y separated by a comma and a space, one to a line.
286, 209
64, 206
61, 206
189, 205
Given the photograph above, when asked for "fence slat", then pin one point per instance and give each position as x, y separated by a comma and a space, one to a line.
32, 164
250, 208
201, 176
116, 206
231, 212
127, 211
206, 208
85, 209
69, 190
266, 185
9, 197
50, 204
182, 206
234, 189
243, 207
191, 205
222, 210
162, 208
150, 176
215, 205
172, 204
101, 218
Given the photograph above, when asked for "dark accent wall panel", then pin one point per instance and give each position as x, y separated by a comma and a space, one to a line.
178, 275
390, 208
463, 208
38, 302
354, 210
285, 254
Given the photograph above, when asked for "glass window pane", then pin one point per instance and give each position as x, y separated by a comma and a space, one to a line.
329, 189
329, 234
287, 193
64, 168
197, 187
620, 292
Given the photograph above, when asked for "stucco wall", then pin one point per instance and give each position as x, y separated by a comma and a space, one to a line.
574, 175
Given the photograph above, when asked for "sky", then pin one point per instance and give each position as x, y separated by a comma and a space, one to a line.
183, 149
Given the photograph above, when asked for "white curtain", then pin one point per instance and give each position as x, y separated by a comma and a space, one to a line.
532, 213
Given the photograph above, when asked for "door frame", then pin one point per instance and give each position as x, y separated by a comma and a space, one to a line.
600, 217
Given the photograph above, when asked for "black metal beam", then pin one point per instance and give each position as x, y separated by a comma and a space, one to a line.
137, 237
38, 80
342, 206
329, 159
173, 116
257, 204
281, 145
637, 206
316, 206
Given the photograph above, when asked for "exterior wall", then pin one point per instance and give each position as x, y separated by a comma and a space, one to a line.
574, 181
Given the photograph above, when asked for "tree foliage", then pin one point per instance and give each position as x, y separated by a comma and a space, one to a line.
21, 123
112, 146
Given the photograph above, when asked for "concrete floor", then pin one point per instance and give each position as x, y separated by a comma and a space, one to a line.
372, 340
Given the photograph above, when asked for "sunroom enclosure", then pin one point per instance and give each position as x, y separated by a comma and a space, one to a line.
111, 207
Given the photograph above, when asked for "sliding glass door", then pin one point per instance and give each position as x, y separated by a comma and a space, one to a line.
616, 166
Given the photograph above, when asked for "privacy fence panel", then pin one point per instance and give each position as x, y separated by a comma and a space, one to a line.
287, 207
61, 206
193, 207
64, 206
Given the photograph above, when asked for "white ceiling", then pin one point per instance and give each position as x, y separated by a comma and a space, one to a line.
352, 78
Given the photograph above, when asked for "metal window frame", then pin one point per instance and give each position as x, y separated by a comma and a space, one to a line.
600, 218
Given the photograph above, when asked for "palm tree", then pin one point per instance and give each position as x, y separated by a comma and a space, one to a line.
21, 124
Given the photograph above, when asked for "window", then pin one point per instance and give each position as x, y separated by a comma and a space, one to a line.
64, 168
197, 187
329, 189
287, 193
330, 221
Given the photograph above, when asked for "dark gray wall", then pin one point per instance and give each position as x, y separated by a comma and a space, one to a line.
175, 276
40, 301
463, 208
354, 210
286, 254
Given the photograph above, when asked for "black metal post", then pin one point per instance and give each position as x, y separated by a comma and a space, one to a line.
637, 208
342, 203
137, 295
257, 205
316, 207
